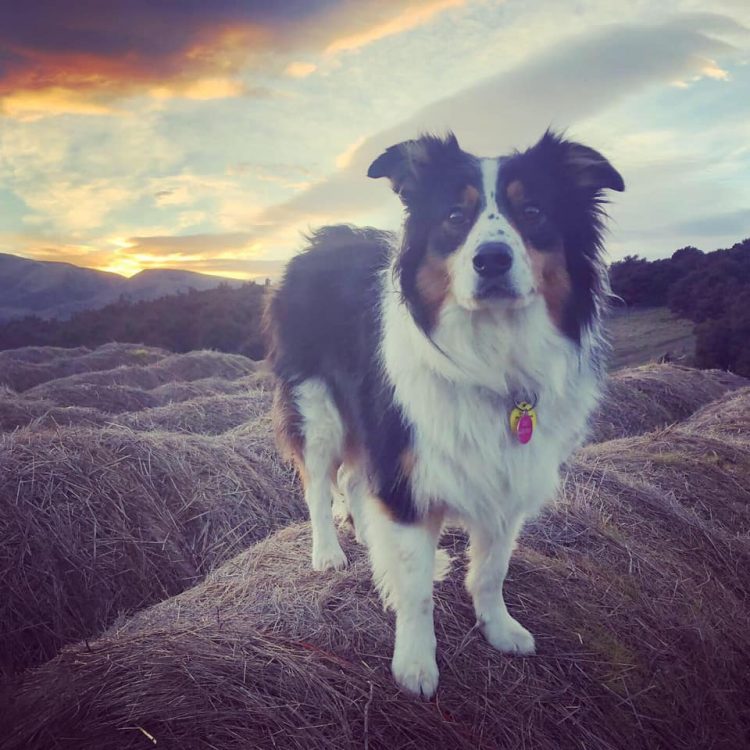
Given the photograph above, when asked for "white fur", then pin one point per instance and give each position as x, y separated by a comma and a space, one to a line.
490, 226
324, 437
458, 396
457, 392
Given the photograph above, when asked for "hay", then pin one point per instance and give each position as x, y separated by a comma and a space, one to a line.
211, 415
177, 391
644, 398
131, 376
206, 364
726, 418
110, 399
27, 367
18, 412
99, 522
639, 605
39, 354
708, 475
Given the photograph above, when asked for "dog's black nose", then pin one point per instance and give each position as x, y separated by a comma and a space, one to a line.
492, 259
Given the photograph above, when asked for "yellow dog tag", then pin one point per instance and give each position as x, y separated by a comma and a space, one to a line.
523, 421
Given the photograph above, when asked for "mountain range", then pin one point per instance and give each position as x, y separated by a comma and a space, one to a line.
49, 289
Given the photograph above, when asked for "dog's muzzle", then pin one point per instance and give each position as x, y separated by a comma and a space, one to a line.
492, 261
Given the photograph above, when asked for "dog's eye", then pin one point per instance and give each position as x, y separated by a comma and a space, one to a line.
457, 216
531, 212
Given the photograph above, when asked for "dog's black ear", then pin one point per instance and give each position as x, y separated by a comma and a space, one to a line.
591, 170
586, 168
403, 163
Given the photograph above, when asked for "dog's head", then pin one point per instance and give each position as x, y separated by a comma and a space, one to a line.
499, 232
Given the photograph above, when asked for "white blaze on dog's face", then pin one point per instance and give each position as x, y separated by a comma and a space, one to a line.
499, 232
491, 266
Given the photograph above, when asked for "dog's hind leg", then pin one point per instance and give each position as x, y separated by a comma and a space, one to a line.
353, 485
322, 432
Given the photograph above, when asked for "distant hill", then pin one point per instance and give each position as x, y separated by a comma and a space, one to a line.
652, 334
224, 318
48, 289
710, 289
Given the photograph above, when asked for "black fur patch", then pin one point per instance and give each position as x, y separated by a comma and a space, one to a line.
324, 322
565, 180
429, 176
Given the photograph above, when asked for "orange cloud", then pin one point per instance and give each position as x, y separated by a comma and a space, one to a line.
410, 18
79, 58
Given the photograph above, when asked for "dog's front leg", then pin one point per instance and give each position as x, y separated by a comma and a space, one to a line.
403, 561
489, 554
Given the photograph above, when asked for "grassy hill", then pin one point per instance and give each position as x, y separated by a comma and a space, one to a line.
49, 289
155, 583
650, 334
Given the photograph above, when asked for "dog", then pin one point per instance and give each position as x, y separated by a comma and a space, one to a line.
442, 375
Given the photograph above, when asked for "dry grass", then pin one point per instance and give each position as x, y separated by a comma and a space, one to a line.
636, 582
639, 606
40, 354
109, 399
651, 396
205, 364
18, 412
709, 474
97, 522
726, 418
25, 368
210, 415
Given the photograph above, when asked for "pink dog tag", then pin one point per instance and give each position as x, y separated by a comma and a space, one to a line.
525, 429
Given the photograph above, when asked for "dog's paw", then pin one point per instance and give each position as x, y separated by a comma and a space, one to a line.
416, 673
328, 556
509, 636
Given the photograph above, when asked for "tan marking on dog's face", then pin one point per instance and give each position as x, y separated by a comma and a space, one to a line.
434, 277
549, 266
433, 284
408, 461
516, 194
551, 279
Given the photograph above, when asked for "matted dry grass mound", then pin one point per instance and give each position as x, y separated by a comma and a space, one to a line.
177, 391
132, 376
706, 473
644, 398
205, 364
177, 367
27, 367
110, 399
18, 412
210, 415
638, 602
97, 522
39, 354
726, 418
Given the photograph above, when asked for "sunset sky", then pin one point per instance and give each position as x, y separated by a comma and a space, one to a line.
208, 135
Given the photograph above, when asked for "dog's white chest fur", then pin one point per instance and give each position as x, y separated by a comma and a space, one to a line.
466, 458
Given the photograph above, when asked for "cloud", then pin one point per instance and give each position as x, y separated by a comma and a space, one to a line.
732, 223
192, 245
409, 18
299, 69
79, 57
571, 81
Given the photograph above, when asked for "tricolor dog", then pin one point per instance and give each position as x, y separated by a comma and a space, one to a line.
442, 375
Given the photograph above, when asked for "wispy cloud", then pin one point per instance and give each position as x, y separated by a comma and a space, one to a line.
571, 81
80, 58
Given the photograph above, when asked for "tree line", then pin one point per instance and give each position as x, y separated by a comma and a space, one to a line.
226, 319
711, 289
